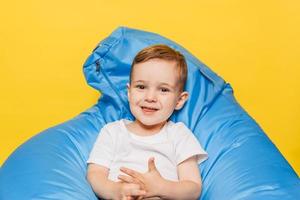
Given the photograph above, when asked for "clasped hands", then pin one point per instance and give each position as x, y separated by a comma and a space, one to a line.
141, 185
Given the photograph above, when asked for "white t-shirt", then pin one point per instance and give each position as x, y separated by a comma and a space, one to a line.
117, 147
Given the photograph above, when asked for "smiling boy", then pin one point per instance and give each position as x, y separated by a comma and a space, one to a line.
121, 164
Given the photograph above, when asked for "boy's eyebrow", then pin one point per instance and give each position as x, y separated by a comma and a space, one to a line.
139, 81
160, 83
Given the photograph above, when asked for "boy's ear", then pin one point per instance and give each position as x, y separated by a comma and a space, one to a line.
181, 100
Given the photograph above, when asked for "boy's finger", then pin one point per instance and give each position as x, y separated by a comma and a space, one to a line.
140, 197
138, 192
130, 172
129, 179
151, 164
126, 179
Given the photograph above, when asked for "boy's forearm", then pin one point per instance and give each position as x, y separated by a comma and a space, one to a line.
103, 187
180, 190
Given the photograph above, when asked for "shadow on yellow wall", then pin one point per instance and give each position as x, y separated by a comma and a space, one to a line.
252, 45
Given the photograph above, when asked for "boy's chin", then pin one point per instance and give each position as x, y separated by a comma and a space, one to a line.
152, 123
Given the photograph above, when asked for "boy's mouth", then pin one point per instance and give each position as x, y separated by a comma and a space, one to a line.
149, 109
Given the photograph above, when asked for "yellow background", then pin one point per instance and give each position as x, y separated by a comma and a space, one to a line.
252, 44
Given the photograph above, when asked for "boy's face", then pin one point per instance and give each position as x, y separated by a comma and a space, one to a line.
154, 91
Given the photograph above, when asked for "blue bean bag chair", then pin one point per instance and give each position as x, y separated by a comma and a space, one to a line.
243, 163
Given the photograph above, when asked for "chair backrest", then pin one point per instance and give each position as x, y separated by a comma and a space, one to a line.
107, 70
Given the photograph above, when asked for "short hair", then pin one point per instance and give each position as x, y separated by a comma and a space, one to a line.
163, 52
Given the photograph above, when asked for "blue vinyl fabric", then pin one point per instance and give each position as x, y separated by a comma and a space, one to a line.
243, 163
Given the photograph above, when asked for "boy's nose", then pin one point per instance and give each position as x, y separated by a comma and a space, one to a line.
150, 96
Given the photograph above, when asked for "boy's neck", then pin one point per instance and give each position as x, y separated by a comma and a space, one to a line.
141, 129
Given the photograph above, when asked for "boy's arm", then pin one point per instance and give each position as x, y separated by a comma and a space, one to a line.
107, 189
188, 187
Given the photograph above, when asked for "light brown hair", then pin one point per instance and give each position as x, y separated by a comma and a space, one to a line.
163, 52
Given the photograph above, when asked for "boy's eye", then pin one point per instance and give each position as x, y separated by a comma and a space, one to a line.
140, 87
164, 90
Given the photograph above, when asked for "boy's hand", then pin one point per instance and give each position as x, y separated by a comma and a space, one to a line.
130, 191
150, 181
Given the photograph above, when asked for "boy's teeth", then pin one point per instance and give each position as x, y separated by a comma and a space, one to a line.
149, 108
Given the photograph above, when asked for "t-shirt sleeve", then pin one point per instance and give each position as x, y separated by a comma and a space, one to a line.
187, 145
102, 151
